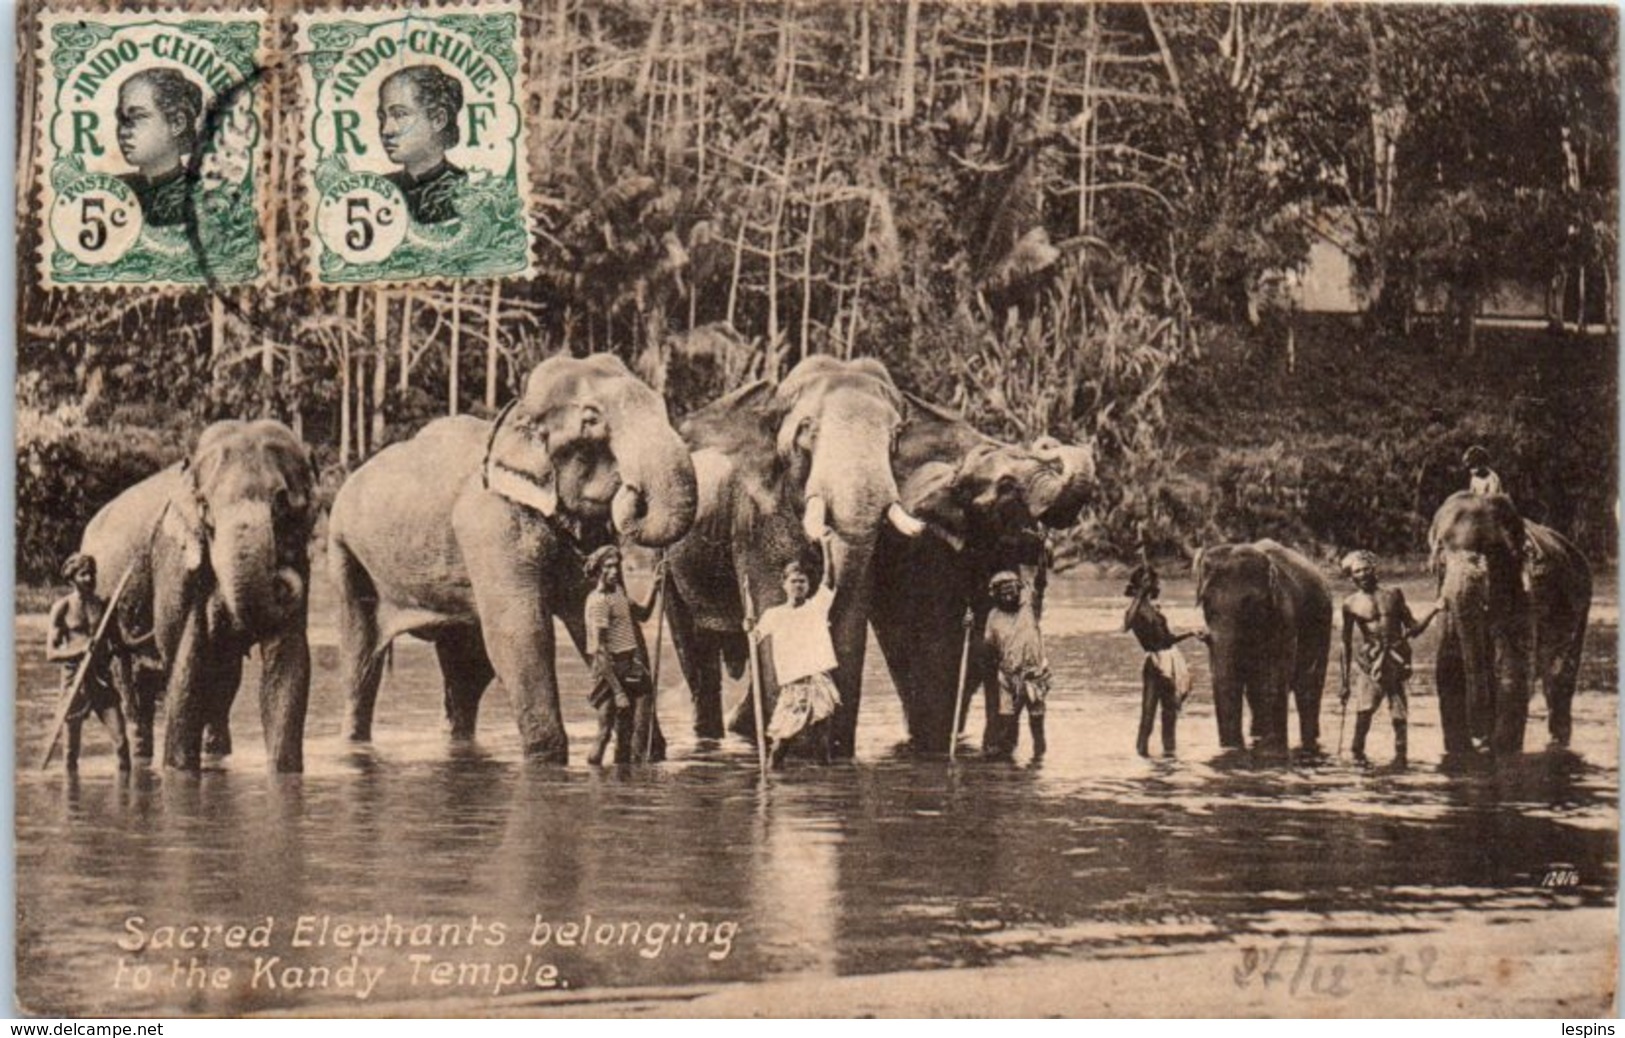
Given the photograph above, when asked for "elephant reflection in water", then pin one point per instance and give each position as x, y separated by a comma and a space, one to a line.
217, 551
1517, 595
471, 535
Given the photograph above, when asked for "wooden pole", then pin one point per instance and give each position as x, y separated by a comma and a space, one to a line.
456, 346
491, 346
380, 363
344, 377
959, 687
755, 674
77, 687
654, 665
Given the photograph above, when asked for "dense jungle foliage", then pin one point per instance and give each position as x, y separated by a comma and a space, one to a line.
1062, 218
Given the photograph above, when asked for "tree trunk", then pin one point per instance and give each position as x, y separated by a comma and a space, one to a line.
454, 359
405, 364
344, 379
380, 363
491, 346
911, 44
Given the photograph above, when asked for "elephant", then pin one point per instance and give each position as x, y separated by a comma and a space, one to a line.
1516, 597
217, 549
1269, 613
472, 534
779, 467
987, 504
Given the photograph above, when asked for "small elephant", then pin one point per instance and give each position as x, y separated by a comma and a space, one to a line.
218, 554
779, 468
987, 504
1269, 613
1516, 595
472, 535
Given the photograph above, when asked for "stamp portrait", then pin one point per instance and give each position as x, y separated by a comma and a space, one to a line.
150, 136
414, 144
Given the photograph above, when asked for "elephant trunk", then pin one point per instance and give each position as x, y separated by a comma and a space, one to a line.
1227, 690
257, 594
656, 502
1059, 498
850, 486
1465, 591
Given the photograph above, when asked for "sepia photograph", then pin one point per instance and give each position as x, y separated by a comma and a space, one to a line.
855, 508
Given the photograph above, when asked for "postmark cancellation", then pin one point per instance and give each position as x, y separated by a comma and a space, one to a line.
151, 133
414, 155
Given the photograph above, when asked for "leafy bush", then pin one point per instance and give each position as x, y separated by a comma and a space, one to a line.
66, 471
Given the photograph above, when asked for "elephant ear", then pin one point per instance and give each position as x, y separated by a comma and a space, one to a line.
735, 423
928, 493
931, 432
532, 487
183, 521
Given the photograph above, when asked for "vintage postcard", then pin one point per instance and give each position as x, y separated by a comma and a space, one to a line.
414, 146
848, 509
150, 135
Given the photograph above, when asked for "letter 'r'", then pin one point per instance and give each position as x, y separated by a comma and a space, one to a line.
345, 125
85, 125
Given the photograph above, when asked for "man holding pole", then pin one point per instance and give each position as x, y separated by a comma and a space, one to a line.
74, 622
623, 693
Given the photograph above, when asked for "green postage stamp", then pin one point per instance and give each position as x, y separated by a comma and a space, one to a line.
150, 144
414, 144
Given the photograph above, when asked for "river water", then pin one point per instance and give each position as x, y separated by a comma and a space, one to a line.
415, 870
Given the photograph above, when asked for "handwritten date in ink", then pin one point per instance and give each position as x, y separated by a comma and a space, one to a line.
1298, 969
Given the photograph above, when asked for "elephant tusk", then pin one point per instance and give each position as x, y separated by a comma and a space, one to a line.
902, 522
815, 519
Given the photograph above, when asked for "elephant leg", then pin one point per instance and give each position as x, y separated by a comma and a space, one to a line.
220, 694
648, 742
1451, 681
699, 653
1226, 698
285, 697
192, 674
1308, 685
360, 656
466, 673
521, 651
1562, 676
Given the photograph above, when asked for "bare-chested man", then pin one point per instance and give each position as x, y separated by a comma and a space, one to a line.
1383, 664
73, 622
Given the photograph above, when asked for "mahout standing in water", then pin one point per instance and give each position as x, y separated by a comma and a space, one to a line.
803, 659
73, 623
1019, 675
1383, 664
1166, 677
623, 692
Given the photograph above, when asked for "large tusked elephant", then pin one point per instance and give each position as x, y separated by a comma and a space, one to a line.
1269, 612
220, 550
1509, 614
778, 467
472, 534
987, 504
